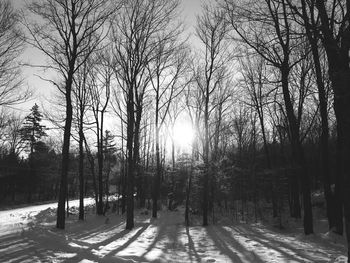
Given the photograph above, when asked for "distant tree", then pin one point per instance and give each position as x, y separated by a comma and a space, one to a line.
32, 130
12, 137
109, 159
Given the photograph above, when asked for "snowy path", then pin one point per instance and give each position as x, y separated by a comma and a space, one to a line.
28, 235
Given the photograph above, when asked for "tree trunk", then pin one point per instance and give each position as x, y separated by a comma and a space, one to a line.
297, 152
337, 50
81, 173
156, 187
206, 159
130, 162
60, 222
312, 35
100, 165
187, 206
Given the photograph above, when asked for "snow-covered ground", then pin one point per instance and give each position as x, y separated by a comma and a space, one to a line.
28, 235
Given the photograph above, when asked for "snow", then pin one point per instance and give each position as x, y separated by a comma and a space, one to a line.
28, 235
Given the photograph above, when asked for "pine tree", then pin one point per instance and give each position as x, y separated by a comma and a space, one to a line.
31, 133
32, 130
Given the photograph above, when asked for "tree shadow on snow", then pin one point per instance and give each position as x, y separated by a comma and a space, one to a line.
289, 249
192, 252
18, 248
231, 247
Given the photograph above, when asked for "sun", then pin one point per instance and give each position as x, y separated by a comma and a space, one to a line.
183, 134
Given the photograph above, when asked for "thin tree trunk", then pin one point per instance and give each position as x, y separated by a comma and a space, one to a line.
206, 159
81, 173
187, 206
156, 187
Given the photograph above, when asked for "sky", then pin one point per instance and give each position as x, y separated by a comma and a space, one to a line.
43, 90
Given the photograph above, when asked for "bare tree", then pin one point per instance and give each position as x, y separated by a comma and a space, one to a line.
81, 105
211, 30
253, 22
11, 46
12, 134
67, 33
335, 28
100, 93
166, 71
135, 40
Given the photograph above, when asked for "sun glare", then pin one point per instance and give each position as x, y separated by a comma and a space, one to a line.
183, 135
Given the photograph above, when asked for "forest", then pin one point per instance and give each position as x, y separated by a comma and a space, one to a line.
246, 115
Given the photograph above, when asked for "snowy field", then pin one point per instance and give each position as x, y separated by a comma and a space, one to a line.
28, 235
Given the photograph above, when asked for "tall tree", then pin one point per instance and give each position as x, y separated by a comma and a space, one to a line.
306, 11
335, 28
166, 70
134, 43
254, 23
67, 33
211, 30
100, 90
81, 102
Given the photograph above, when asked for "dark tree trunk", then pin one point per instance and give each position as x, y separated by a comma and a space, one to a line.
60, 223
100, 166
337, 48
206, 159
124, 186
313, 37
130, 162
187, 206
268, 160
156, 187
81, 173
297, 152
173, 153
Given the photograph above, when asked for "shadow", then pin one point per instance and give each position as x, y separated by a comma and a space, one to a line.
88, 253
225, 242
285, 249
19, 249
191, 248
166, 239
156, 239
132, 239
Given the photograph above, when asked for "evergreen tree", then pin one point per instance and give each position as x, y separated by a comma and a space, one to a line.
31, 133
32, 130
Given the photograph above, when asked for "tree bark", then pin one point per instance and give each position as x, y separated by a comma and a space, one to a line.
297, 152
156, 187
60, 222
81, 172
130, 161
